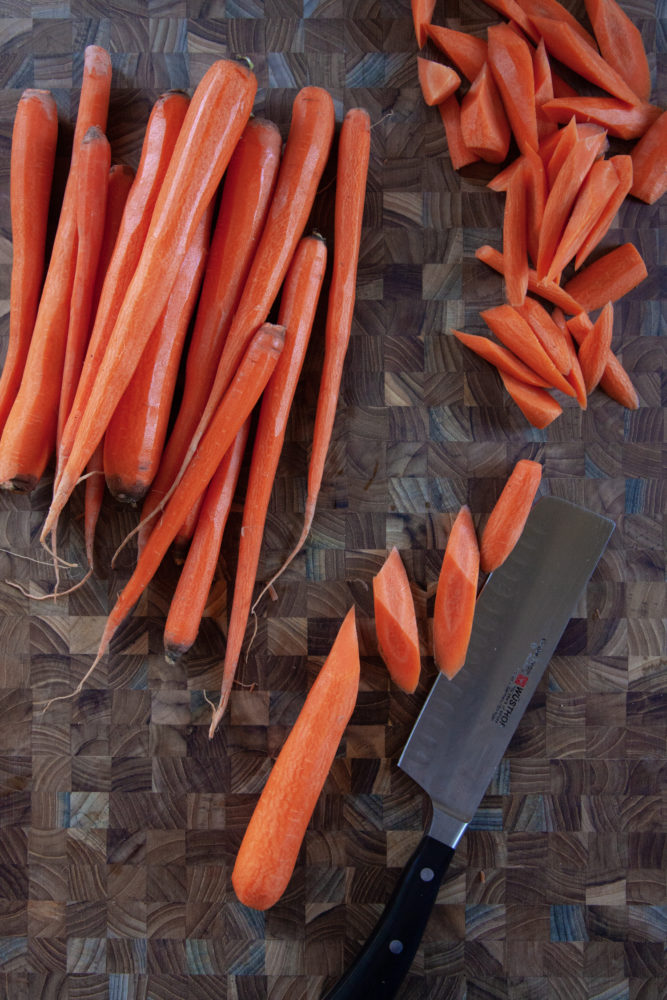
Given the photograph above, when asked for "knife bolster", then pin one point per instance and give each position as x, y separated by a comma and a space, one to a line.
445, 827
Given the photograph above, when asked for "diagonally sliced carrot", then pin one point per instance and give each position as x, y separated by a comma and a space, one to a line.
538, 407
456, 595
623, 167
544, 89
436, 80
608, 278
396, 623
459, 154
594, 349
615, 380
422, 12
553, 9
547, 333
484, 126
511, 63
621, 44
517, 335
575, 375
548, 290
499, 356
625, 121
466, 51
508, 516
649, 162
515, 238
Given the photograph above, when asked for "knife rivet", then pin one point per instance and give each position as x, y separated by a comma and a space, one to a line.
396, 947
427, 874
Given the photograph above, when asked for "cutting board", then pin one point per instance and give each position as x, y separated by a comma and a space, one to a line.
120, 820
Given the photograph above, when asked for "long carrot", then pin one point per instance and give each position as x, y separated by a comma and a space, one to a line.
162, 130
484, 126
623, 166
511, 63
595, 194
29, 434
501, 358
517, 335
188, 603
625, 121
297, 313
272, 840
608, 278
548, 290
437, 81
450, 115
509, 514
134, 439
212, 126
594, 349
649, 159
515, 238
615, 380
396, 623
547, 333
466, 51
33, 151
456, 595
538, 407
246, 195
621, 44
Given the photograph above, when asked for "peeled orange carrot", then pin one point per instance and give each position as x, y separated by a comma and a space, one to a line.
396, 623
625, 121
459, 153
499, 356
548, 290
509, 514
623, 167
546, 332
511, 63
517, 335
594, 194
615, 380
456, 595
649, 162
515, 238
436, 80
422, 12
484, 126
538, 407
575, 375
621, 44
466, 51
608, 278
594, 349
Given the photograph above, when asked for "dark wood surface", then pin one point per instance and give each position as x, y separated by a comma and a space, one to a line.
119, 821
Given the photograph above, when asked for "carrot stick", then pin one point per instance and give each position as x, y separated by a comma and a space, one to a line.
594, 349
623, 167
615, 380
608, 278
509, 514
297, 313
134, 439
459, 154
466, 51
515, 238
538, 407
162, 130
352, 172
29, 434
516, 15
562, 196
547, 333
536, 193
595, 193
517, 335
511, 63
548, 290
568, 138
648, 162
484, 126
92, 187
396, 623
246, 196
575, 375
625, 121
500, 181
422, 12
247, 386
188, 603
212, 126
33, 152
456, 595
555, 10
437, 81
501, 358
272, 840
621, 44
544, 90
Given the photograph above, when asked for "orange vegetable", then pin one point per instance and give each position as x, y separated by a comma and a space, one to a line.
615, 380
546, 332
272, 840
515, 238
626, 121
594, 348
459, 154
517, 17
594, 195
396, 623
538, 407
621, 44
422, 12
536, 193
544, 90
33, 152
437, 81
548, 290
575, 375
567, 140
509, 514
501, 358
623, 167
517, 335
511, 63
649, 162
556, 11
456, 595
484, 126
468, 52
608, 278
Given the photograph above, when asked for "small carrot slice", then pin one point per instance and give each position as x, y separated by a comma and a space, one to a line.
555, 10
546, 332
536, 193
515, 238
459, 154
509, 514
625, 121
544, 90
615, 380
567, 140
511, 63
608, 278
484, 126
517, 18
595, 193
466, 51
396, 623
499, 356
649, 162
623, 166
436, 80
575, 375
272, 840
548, 290
538, 407
422, 12
517, 335
594, 349
456, 595
621, 44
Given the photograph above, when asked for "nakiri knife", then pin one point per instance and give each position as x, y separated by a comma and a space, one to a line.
466, 724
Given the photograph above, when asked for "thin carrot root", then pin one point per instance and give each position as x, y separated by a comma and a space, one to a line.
54, 594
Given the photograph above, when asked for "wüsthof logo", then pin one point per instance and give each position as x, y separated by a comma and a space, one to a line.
515, 689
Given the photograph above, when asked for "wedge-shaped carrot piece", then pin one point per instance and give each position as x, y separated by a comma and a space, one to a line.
623, 167
550, 142
608, 278
594, 349
422, 12
436, 80
499, 356
511, 63
544, 89
537, 191
396, 623
516, 16
562, 196
615, 380
484, 126
515, 238
466, 51
595, 193
272, 840
500, 181
553, 9
575, 375
568, 138
566, 45
548, 290
649, 162
538, 407
625, 121
509, 514
456, 595
621, 44
459, 154
546, 332
517, 335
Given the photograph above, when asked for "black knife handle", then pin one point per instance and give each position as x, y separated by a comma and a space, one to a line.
379, 969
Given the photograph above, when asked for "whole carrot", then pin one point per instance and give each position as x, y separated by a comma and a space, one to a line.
456, 595
510, 511
212, 126
34, 138
29, 435
297, 313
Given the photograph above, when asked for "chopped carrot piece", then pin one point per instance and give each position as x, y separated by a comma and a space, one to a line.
625, 121
608, 278
467, 51
484, 125
548, 290
396, 623
555, 10
517, 335
621, 44
459, 154
623, 167
546, 332
511, 63
515, 239
595, 193
437, 81
594, 349
615, 380
509, 514
649, 162
537, 192
567, 140
456, 595
422, 12
544, 90
517, 18
575, 375
538, 407
499, 356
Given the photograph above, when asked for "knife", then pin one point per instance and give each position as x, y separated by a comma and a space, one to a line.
466, 724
